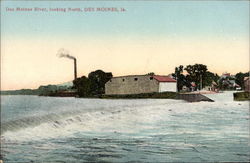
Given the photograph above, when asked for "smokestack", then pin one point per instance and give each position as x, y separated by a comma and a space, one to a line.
75, 68
64, 53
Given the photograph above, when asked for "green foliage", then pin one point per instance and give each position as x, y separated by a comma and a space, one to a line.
224, 84
82, 85
93, 85
150, 73
21, 92
239, 79
98, 79
181, 79
196, 73
48, 90
209, 78
42, 90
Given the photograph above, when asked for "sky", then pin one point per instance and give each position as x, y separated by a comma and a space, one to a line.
147, 36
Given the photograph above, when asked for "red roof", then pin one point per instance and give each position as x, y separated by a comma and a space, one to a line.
193, 84
163, 78
226, 74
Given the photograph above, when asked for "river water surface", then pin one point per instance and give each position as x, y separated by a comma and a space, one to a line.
51, 129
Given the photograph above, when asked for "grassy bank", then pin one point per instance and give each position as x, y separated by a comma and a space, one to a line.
242, 96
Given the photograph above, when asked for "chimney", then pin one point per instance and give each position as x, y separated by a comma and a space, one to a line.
75, 68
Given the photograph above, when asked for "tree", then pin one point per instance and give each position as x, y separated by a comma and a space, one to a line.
82, 85
224, 83
196, 73
150, 73
239, 79
181, 79
98, 79
209, 78
93, 85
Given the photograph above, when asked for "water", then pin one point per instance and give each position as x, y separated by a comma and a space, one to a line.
50, 129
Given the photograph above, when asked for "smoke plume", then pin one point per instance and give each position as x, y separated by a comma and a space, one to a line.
64, 53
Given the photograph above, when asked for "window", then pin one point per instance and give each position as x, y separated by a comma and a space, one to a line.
151, 78
123, 80
135, 79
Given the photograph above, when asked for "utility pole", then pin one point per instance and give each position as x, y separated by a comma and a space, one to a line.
200, 82
176, 81
177, 84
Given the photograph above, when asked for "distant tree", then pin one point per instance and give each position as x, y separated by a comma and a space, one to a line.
239, 78
150, 73
82, 85
181, 79
224, 83
93, 85
196, 73
47, 89
98, 79
209, 78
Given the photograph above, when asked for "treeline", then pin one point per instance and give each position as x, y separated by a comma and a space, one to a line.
192, 77
93, 85
49, 90
21, 92
197, 77
42, 90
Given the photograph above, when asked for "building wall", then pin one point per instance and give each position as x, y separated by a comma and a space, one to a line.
128, 85
247, 85
167, 86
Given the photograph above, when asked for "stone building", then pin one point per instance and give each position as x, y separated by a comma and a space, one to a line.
136, 84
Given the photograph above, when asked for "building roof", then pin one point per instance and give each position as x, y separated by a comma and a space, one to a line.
193, 84
128, 76
159, 78
163, 78
226, 74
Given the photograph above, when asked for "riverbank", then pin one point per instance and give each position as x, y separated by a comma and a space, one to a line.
189, 97
162, 95
242, 96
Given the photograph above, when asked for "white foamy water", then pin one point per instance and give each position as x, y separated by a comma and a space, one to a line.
153, 130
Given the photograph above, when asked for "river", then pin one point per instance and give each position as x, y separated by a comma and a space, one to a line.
53, 129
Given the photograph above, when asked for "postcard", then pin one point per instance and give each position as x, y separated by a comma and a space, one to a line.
124, 81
